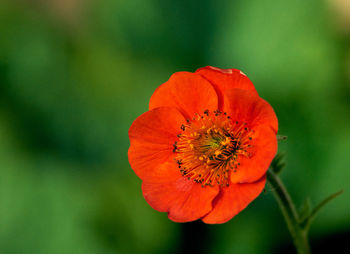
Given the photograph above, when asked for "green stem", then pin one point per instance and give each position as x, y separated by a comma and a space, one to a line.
289, 212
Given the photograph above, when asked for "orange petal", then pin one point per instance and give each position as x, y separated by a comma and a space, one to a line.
188, 92
224, 79
183, 199
152, 136
264, 148
232, 200
244, 106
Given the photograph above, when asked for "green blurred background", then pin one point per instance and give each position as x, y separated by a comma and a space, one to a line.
74, 74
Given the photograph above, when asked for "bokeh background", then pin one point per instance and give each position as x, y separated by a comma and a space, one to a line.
74, 74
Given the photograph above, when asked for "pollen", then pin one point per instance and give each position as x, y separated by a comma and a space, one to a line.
209, 147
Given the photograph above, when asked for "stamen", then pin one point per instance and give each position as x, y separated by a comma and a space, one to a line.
209, 145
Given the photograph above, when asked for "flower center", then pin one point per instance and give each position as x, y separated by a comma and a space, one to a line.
208, 147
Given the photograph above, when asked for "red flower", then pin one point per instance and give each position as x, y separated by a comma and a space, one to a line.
204, 146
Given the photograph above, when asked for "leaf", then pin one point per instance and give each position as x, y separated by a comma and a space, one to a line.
305, 211
278, 163
307, 221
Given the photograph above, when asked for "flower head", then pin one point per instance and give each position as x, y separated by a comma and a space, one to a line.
204, 146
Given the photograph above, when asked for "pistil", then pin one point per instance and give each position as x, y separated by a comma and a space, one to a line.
209, 146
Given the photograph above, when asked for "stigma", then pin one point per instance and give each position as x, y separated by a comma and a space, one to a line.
209, 147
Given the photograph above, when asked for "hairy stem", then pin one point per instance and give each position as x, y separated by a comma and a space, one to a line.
289, 212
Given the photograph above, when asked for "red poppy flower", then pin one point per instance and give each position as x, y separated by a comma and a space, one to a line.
204, 146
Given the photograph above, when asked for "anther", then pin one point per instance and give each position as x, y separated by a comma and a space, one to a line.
209, 146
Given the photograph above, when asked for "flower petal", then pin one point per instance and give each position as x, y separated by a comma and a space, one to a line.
152, 136
188, 92
232, 200
224, 79
263, 150
183, 199
244, 106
